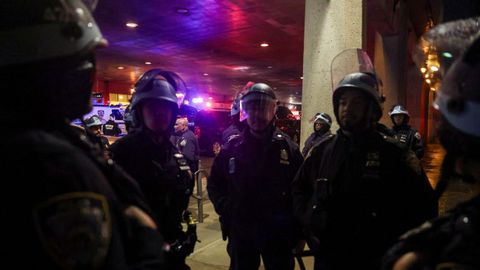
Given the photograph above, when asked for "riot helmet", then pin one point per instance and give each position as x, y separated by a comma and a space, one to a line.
367, 83
155, 85
458, 101
235, 108
258, 106
321, 122
352, 69
47, 49
399, 110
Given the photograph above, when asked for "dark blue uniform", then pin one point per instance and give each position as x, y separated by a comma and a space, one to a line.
230, 132
410, 138
314, 139
356, 196
166, 180
69, 206
250, 187
111, 128
187, 144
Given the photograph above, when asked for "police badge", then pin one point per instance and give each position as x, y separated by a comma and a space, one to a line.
75, 229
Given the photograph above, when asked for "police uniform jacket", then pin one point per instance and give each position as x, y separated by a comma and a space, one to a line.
61, 211
448, 242
250, 185
313, 140
187, 144
229, 133
111, 128
410, 138
163, 175
356, 196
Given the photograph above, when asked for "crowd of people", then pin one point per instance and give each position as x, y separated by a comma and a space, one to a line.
351, 196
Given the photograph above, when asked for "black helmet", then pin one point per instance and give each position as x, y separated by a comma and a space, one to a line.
155, 84
261, 93
39, 30
365, 82
260, 88
47, 51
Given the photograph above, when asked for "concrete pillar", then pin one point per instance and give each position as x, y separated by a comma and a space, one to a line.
330, 28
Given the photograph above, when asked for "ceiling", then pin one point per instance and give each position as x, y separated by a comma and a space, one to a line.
220, 38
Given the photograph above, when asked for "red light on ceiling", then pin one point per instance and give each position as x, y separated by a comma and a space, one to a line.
264, 45
120, 67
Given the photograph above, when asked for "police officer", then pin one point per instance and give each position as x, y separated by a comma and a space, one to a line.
321, 130
356, 192
94, 124
249, 186
404, 133
186, 142
160, 169
452, 241
111, 128
61, 196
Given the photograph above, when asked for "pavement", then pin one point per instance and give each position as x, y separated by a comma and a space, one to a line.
210, 253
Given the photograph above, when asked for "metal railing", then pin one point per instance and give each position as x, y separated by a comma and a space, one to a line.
199, 196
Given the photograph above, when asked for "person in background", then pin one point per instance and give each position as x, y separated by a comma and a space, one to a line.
357, 192
250, 187
156, 164
452, 241
321, 130
94, 125
404, 133
77, 210
111, 128
186, 142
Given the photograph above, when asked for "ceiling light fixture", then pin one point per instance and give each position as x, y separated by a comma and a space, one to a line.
181, 10
301, 78
264, 45
131, 24
120, 67
148, 63
205, 74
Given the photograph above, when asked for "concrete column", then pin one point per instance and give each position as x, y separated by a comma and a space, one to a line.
331, 26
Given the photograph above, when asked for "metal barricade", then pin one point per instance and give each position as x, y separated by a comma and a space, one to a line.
199, 196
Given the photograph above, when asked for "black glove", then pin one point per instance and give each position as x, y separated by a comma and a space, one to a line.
185, 245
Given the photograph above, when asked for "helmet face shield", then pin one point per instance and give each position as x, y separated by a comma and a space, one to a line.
258, 109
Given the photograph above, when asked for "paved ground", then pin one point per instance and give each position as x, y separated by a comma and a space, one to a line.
210, 254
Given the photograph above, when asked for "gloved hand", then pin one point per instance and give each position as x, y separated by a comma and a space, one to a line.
185, 245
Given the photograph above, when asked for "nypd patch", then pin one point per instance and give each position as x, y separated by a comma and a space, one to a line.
75, 229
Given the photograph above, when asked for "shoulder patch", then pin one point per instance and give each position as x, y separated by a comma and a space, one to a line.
75, 229
418, 136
